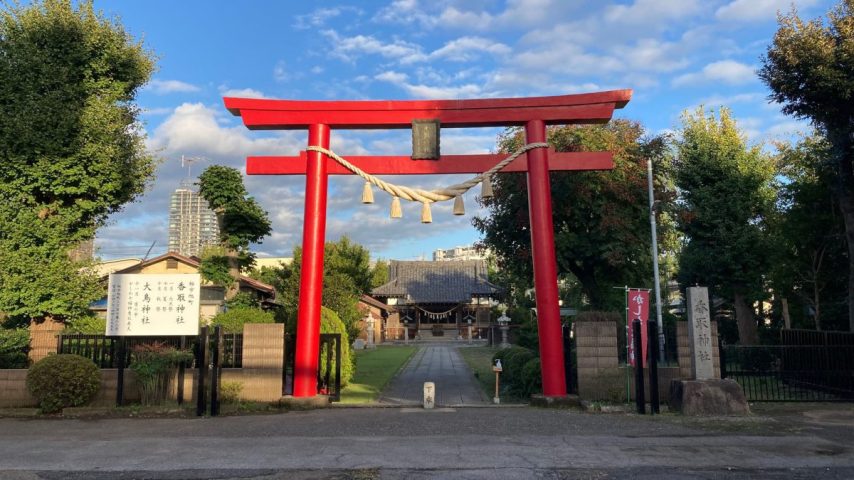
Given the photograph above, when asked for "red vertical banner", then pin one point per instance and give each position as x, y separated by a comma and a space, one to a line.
638, 307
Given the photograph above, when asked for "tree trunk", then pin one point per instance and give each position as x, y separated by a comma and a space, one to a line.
747, 334
817, 300
787, 320
234, 271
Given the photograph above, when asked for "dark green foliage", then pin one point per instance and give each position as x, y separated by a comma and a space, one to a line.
71, 149
14, 344
242, 300
153, 364
809, 68
64, 380
601, 219
330, 323
518, 364
233, 319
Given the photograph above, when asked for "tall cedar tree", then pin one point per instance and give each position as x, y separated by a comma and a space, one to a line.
71, 148
727, 192
810, 70
241, 222
601, 219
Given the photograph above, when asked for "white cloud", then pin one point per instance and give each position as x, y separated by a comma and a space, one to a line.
319, 17
644, 12
163, 87
465, 49
757, 10
240, 92
427, 91
351, 48
729, 72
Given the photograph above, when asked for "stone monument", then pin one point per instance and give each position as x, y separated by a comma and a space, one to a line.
705, 393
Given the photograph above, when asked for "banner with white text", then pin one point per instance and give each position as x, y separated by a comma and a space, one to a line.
638, 308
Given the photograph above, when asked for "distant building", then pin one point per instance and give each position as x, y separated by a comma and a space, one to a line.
192, 224
467, 252
272, 262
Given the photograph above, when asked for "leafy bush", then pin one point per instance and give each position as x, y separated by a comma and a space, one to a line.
229, 392
232, 320
91, 324
532, 378
514, 361
64, 380
14, 344
153, 363
242, 300
330, 323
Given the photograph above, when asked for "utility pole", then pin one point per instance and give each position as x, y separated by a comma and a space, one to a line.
655, 262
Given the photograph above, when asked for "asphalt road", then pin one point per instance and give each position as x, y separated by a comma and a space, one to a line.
398, 443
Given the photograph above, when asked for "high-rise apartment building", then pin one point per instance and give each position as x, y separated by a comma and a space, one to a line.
192, 224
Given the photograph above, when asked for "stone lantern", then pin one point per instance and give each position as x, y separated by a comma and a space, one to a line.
504, 326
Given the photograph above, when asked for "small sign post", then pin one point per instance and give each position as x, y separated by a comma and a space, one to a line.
497, 369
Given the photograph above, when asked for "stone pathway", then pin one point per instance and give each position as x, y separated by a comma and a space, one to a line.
442, 365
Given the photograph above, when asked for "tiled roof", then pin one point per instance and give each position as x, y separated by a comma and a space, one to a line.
437, 282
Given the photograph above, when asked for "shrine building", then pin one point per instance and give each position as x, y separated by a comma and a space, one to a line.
438, 299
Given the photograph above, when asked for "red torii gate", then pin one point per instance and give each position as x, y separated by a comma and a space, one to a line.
534, 113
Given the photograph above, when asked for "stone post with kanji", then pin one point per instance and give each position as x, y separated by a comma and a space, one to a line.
700, 334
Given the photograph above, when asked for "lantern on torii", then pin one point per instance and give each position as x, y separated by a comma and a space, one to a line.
316, 163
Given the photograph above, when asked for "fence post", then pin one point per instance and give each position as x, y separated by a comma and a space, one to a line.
653, 355
202, 364
640, 397
180, 386
722, 356
216, 372
120, 377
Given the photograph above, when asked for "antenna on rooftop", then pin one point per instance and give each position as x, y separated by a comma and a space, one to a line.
188, 162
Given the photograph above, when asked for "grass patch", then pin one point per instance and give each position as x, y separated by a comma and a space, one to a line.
374, 369
479, 359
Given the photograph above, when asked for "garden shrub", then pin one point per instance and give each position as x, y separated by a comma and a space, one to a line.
153, 363
65, 380
532, 378
331, 323
515, 362
14, 344
88, 324
233, 319
229, 392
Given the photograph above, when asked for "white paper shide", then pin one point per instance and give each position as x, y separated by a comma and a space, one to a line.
153, 304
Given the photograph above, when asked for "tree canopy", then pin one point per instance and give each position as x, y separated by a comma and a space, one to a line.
71, 146
241, 222
809, 68
726, 194
601, 219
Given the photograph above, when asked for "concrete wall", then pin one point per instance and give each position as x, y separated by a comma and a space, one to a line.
43, 338
599, 375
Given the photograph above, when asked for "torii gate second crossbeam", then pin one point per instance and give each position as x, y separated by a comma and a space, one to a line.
533, 113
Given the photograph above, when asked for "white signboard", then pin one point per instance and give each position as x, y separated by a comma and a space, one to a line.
153, 304
700, 333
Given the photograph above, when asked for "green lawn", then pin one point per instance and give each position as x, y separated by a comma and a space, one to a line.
479, 359
374, 369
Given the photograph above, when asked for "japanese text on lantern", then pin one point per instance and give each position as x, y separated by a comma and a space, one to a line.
151, 304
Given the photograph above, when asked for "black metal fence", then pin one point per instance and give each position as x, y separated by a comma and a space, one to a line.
105, 351
328, 366
791, 373
671, 347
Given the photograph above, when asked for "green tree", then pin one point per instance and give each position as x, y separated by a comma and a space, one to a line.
810, 70
241, 222
379, 274
601, 219
347, 275
809, 233
71, 147
727, 192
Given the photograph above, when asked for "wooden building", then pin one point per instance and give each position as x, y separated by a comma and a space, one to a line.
437, 299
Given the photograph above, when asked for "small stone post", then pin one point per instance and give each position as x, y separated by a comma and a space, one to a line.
369, 325
504, 326
429, 395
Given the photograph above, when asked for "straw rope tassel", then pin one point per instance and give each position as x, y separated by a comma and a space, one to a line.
395, 208
486, 187
367, 193
426, 216
459, 207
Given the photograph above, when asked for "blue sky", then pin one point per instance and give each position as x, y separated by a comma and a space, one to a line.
674, 54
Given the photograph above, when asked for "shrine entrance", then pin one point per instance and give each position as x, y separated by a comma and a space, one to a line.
317, 162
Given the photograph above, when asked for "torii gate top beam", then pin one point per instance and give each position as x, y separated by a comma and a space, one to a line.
264, 114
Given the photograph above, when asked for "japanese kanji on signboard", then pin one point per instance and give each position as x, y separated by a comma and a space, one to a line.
152, 304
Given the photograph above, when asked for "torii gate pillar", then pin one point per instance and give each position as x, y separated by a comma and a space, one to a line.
533, 113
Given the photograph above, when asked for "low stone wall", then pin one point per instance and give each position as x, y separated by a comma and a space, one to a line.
599, 375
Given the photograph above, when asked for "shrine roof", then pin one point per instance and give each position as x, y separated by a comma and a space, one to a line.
437, 282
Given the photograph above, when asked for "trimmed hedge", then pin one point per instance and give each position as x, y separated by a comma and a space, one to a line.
330, 322
521, 370
14, 344
64, 380
233, 319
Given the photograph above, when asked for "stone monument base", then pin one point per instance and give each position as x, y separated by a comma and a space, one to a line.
303, 403
708, 397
